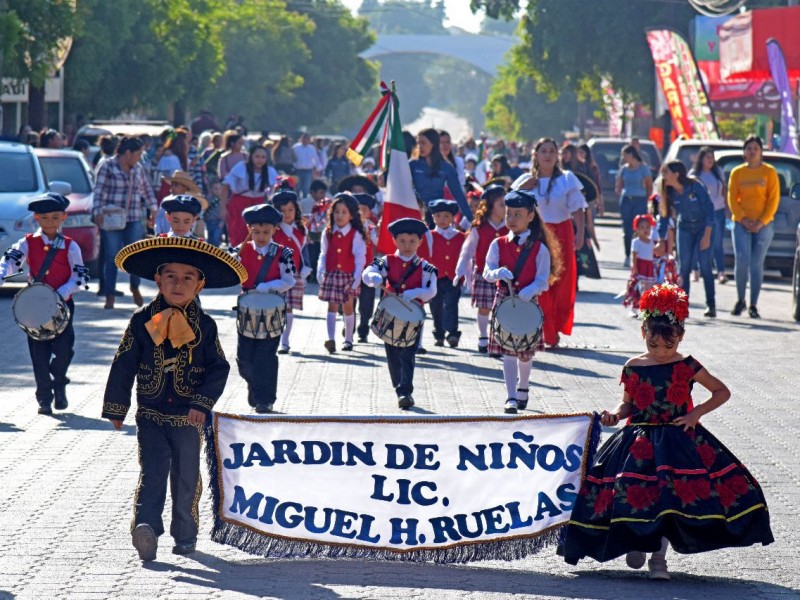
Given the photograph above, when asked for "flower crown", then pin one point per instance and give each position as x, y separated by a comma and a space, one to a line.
665, 300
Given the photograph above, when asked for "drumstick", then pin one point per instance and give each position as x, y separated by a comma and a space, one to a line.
20, 274
405, 303
512, 295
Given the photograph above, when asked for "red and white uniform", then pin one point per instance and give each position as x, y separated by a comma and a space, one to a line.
66, 273
447, 244
343, 254
420, 285
280, 276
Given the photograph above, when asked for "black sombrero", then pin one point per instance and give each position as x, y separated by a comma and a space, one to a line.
347, 184
143, 258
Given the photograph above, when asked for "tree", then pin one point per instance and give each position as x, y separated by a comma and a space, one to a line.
405, 16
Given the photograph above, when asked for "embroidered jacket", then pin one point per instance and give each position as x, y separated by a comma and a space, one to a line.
168, 381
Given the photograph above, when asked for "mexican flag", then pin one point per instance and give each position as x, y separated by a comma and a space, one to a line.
384, 124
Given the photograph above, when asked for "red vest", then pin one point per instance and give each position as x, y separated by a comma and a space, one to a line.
446, 252
284, 240
252, 261
340, 252
486, 235
59, 272
509, 252
397, 268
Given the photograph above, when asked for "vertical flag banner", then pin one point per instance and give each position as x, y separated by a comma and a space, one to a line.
683, 88
383, 126
780, 75
613, 105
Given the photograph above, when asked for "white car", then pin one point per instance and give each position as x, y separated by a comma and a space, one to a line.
21, 179
686, 150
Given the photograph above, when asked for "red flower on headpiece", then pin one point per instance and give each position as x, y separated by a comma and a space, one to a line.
665, 300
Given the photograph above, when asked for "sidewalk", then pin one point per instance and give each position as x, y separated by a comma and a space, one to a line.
68, 480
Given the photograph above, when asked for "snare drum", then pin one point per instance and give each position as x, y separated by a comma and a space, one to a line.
517, 325
398, 322
260, 316
40, 312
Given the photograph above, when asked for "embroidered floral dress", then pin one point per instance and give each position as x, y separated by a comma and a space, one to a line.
652, 480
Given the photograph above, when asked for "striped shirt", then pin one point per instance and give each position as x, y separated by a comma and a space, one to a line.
112, 185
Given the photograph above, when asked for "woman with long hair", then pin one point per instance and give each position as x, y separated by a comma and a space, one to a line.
561, 206
593, 171
232, 143
338, 166
706, 170
247, 184
634, 185
446, 147
282, 155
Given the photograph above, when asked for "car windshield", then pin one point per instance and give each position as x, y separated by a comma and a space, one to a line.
17, 172
788, 170
66, 168
687, 154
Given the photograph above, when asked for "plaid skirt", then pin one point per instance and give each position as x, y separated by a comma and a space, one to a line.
482, 291
334, 286
495, 348
294, 297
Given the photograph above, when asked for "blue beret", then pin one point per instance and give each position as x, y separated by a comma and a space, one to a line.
262, 214
493, 189
367, 200
48, 202
437, 206
182, 203
284, 196
407, 225
520, 199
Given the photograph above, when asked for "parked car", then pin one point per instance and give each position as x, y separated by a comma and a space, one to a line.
607, 153
686, 150
70, 166
796, 269
93, 131
21, 179
782, 250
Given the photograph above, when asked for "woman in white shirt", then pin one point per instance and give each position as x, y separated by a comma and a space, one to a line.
246, 184
706, 170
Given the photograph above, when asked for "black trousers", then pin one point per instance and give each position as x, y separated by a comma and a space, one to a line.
169, 449
314, 249
401, 368
258, 366
366, 306
51, 359
444, 308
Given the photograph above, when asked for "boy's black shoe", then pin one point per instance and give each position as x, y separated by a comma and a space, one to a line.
405, 402
264, 408
421, 350
44, 409
738, 308
60, 398
347, 347
362, 339
710, 312
145, 541
183, 548
453, 339
330, 346
438, 343
753, 312
283, 350
251, 400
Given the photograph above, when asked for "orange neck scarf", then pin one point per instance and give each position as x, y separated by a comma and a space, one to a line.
170, 324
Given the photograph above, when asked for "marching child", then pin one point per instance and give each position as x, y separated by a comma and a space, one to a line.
529, 257
343, 254
182, 212
414, 280
489, 224
447, 243
366, 299
270, 269
663, 478
643, 272
56, 261
172, 351
291, 233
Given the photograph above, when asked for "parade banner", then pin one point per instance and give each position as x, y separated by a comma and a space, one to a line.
679, 77
780, 75
444, 489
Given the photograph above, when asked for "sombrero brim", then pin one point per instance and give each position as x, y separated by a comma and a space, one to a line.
143, 258
192, 188
348, 183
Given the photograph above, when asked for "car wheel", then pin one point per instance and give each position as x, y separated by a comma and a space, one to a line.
796, 288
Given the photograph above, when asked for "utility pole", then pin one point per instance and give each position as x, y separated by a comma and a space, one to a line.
3, 11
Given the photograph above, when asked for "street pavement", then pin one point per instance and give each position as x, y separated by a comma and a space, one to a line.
67, 481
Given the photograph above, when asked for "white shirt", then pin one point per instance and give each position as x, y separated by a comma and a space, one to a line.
359, 252
470, 247
376, 273
493, 272
565, 198
643, 250
286, 281
448, 233
15, 256
305, 156
239, 182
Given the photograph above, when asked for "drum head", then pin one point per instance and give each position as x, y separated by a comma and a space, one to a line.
35, 305
518, 317
260, 300
405, 310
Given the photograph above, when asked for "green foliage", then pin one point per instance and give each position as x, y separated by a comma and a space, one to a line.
405, 16
459, 87
735, 126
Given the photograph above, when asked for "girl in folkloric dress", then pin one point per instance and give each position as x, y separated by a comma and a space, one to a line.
663, 479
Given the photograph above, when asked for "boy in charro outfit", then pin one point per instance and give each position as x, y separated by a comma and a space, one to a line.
405, 274
447, 243
172, 350
60, 258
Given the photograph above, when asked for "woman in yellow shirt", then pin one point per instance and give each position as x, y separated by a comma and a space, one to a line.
753, 197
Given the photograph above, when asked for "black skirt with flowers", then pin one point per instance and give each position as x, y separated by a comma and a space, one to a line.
652, 479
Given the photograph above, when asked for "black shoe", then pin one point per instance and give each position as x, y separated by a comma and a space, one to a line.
61, 398
453, 339
347, 347
362, 339
495, 355
421, 350
283, 350
45, 409
753, 312
251, 400
183, 548
483, 348
117, 293
522, 404
330, 346
263, 408
405, 402
439, 343
738, 308
710, 312
145, 541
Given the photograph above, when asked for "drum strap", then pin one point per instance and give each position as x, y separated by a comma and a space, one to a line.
48, 259
415, 263
262, 272
522, 258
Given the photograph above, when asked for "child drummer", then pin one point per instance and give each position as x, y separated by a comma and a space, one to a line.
172, 350
270, 268
412, 279
183, 211
60, 258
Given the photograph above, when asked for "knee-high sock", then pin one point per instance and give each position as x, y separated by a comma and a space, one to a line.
287, 331
419, 338
483, 325
349, 327
331, 321
524, 374
663, 552
510, 375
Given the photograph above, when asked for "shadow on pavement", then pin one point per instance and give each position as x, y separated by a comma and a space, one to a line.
8, 428
72, 421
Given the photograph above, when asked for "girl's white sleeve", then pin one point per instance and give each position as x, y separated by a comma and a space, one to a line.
323, 252
360, 254
542, 281
467, 253
492, 271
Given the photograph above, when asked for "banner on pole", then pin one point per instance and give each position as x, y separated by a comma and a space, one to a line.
441, 489
680, 79
780, 75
